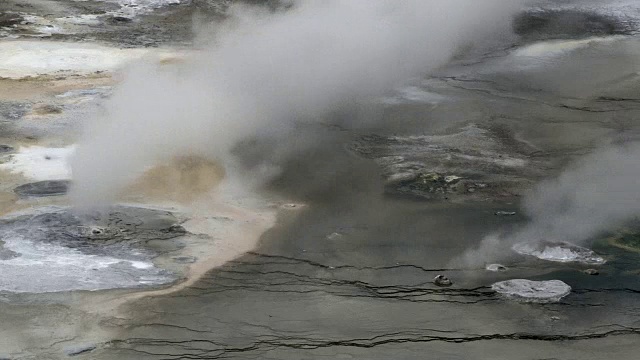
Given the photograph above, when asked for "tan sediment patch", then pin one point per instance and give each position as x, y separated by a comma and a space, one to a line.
172, 60
43, 87
39, 87
231, 241
182, 180
8, 203
230, 219
245, 226
46, 109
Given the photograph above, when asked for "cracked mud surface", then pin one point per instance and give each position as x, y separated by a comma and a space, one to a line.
388, 207
371, 297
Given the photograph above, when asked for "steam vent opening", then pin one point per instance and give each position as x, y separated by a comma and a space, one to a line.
298, 179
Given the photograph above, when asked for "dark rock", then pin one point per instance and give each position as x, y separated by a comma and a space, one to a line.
43, 188
442, 280
79, 349
120, 20
430, 185
5, 149
10, 19
175, 228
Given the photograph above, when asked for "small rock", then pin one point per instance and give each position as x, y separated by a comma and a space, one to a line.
496, 267
184, 259
442, 280
79, 349
177, 228
120, 19
505, 213
334, 236
5, 149
555, 318
591, 272
451, 178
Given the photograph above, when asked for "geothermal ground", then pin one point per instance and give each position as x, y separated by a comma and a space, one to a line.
335, 256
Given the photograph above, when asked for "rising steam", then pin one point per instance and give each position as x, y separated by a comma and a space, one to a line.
598, 193
265, 70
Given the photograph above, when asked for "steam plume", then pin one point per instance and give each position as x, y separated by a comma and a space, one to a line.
264, 70
597, 193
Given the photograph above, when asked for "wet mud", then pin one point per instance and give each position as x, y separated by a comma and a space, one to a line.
379, 209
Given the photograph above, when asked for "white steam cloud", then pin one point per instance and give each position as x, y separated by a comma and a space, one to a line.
264, 70
598, 193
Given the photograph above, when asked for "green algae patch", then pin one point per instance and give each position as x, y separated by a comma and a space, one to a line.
627, 240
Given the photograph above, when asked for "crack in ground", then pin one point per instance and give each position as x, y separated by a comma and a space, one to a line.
268, 343
293, 260
280, 281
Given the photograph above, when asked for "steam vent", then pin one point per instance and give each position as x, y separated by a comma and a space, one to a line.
304, 179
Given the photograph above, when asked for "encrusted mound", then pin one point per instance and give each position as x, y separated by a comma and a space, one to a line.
559, 252
532, 291
43, 188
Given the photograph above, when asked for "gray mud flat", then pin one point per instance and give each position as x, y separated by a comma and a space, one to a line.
389, 206
496, 125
